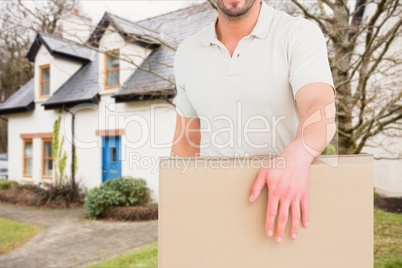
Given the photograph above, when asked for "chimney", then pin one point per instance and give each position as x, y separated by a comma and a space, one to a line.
75, 27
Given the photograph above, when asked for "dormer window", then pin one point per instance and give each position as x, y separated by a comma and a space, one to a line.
112, 69
44, 81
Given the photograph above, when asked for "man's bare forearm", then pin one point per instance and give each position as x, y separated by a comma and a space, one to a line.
316, 129
186, 139
184, 149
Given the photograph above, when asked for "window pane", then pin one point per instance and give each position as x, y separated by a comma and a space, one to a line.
28, 149
45, 89
113, 60
48, 149
113, 153
28, 167
112, 79
45, 74
48, 172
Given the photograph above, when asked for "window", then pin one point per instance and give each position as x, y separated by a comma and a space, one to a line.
44, 81
47, 159
112, 69
27, 152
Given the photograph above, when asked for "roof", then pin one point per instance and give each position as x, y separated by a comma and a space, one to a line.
20, 101
59, 48
174, 27
128, 30
82, 87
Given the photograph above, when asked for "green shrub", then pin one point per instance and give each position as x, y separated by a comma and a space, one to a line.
6, 184
125, 191
134, 191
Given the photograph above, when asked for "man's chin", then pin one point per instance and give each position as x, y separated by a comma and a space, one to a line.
235, 8
234, 11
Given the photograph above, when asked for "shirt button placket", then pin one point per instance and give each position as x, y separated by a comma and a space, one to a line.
234, 64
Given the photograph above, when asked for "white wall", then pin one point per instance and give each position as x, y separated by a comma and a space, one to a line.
38, 121
149, 128
144, 143
88, 147
387, 171
41, 121
388, 177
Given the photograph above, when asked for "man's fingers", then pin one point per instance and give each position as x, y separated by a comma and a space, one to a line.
305, 210
258, 185
272, 208
282, 219
295, 210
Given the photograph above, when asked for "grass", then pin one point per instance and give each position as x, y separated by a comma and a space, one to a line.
14, 235
387, 239
145, 257
387, 246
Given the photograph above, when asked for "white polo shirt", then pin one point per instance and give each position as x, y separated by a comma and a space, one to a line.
246, 102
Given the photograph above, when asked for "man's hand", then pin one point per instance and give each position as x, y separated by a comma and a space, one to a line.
288, 188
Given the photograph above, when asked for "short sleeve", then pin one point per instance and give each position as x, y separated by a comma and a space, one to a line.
183, 105
308, 57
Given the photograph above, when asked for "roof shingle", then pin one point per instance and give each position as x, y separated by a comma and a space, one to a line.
20, 101
59, 48
82, 87
174, 27
128, 30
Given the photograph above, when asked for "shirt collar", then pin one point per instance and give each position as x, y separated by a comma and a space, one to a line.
260, 30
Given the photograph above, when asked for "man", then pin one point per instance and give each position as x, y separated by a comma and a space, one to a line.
263, 71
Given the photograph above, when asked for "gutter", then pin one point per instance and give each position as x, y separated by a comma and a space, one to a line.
30, 107
64, 105
144, 96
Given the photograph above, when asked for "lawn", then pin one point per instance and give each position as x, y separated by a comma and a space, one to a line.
145, 257
14, 235
387, 239
387, 244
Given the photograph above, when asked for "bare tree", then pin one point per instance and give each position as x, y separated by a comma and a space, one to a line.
19, 22
365, 61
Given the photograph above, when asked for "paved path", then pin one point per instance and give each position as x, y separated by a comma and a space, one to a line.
67, 239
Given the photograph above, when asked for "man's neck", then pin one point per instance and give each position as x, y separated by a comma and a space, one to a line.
229, 29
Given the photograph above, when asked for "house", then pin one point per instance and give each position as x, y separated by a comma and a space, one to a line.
113, 87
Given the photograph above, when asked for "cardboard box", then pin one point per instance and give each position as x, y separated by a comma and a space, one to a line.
206, 220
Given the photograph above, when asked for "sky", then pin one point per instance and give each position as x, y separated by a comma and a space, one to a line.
131, 9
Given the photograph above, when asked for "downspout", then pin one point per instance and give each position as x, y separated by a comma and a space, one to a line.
73, 144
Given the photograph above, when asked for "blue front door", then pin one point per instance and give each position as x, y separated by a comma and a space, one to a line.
111, 158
